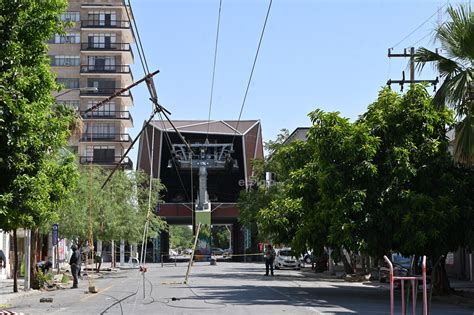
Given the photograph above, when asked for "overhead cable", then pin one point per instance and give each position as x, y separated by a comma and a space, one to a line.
253, 68
214, 68
419, 26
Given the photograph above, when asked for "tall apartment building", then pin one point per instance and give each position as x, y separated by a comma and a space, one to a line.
92, 60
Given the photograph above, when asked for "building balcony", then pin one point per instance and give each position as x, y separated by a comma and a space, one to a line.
105, 137
126, 163
99, 114
102, 24
110, 49
105, 69
106, 47
105, 92
123, 71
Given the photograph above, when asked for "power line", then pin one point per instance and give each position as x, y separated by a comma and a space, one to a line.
214, 68
419, 26
140, 49
253, 68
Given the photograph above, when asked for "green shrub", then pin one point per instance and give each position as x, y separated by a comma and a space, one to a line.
39, 280
49, 276
65, 278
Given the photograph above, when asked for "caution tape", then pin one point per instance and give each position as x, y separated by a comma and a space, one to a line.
230, 255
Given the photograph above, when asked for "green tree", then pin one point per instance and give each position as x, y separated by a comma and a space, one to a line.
456, 67
116, 212
31, 130
181, 236
413, 205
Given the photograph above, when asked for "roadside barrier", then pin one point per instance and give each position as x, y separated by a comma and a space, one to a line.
414, 285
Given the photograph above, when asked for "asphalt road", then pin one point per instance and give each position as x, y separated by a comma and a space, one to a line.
228, 288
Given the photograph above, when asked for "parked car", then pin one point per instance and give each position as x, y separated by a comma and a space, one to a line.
217, 251
227, 252
401, 267
285, 258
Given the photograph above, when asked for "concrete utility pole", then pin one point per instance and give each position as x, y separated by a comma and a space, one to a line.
27, 259
411, 55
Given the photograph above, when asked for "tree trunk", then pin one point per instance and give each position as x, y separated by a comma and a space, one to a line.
348, 269
35, 239
440, 279
15, 262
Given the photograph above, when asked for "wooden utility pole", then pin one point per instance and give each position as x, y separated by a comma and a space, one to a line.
411, 55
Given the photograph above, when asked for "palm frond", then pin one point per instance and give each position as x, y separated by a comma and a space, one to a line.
444, 65
464, 142
457, 34
439, 99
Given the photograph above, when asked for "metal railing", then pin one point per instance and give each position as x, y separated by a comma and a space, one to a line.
106, 46
414, 287
104, 24
127, 163
106, 137
105, 69
106, 115
105, 91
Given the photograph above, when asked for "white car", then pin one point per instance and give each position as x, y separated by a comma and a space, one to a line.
285, 258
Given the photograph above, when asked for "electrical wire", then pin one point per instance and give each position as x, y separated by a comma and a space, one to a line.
419, 26
214, 68
134, 29
253, 68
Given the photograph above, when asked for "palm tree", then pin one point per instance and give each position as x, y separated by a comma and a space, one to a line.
456, 67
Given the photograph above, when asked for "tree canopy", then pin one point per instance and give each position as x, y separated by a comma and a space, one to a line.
32, 130
385, 182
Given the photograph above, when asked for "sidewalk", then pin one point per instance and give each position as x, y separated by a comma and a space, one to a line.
6, 291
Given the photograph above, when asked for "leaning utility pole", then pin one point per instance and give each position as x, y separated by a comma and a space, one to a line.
411, 55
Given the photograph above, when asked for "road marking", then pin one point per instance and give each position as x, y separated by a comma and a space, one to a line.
95, 294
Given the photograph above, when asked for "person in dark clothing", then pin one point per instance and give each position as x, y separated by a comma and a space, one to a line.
269, 258
74, 263
3, 260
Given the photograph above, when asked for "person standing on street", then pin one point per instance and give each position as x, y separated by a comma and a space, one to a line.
74, 263
269, 258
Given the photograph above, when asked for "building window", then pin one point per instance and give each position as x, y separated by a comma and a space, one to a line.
68, 38
70, 16
102, 40
102, 18
104, 63
65, 61
101, 130
100, 153
107, 109
69, 83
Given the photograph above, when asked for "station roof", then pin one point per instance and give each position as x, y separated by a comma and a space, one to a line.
224, 127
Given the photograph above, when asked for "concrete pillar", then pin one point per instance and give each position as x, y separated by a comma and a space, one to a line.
112, 254
27, 259
122, 252
5, 247
51, 250
99, 248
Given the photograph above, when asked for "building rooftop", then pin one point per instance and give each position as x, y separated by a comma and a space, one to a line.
228, 127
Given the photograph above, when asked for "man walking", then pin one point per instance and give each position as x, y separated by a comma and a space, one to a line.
269, 258
74, 263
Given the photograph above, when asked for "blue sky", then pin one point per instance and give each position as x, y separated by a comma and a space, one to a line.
315, 54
